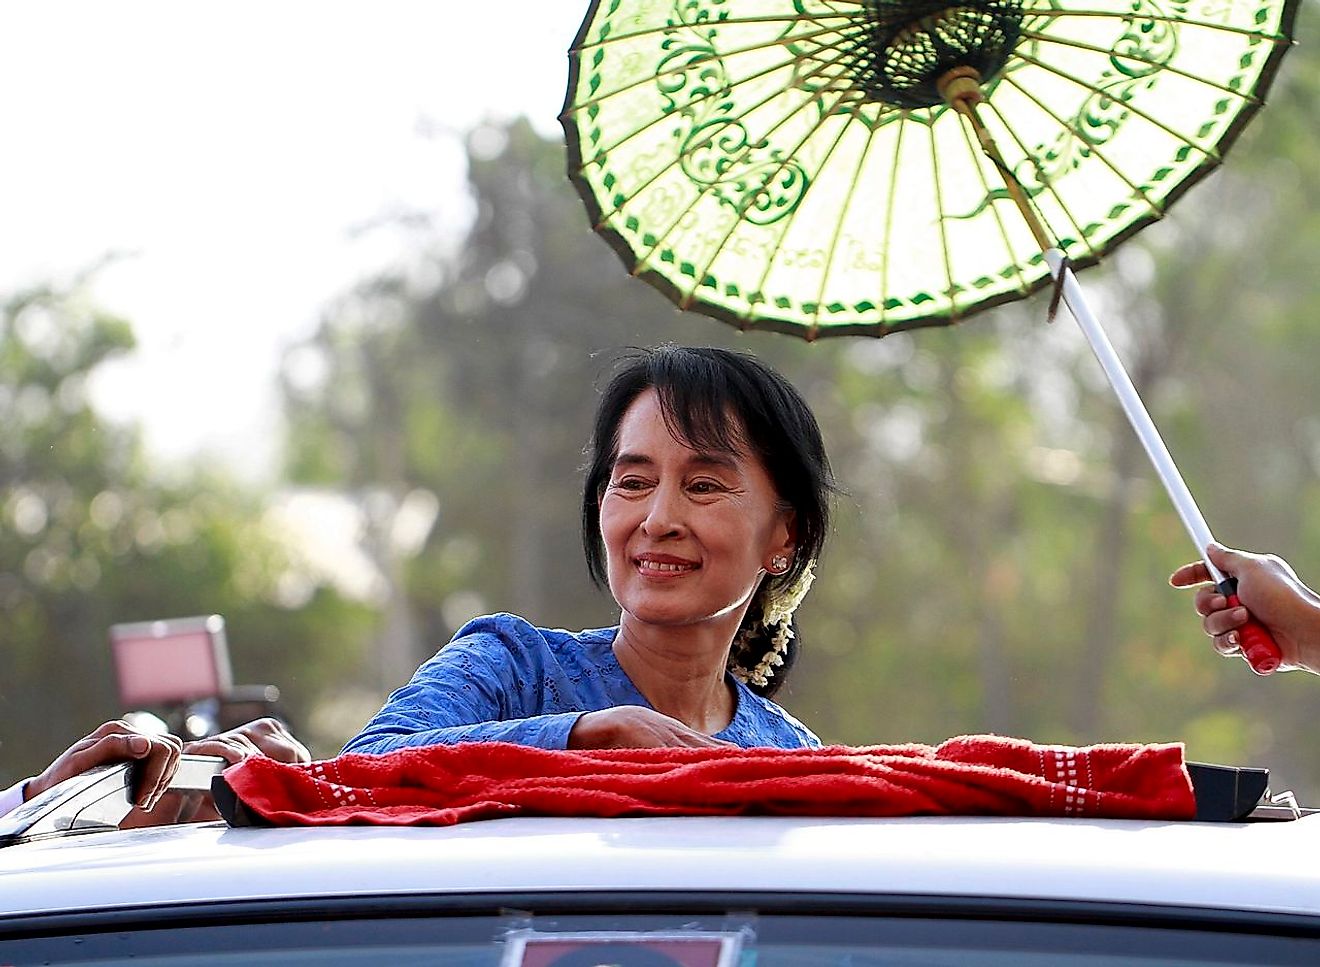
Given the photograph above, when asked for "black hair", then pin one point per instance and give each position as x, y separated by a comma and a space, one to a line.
697, 389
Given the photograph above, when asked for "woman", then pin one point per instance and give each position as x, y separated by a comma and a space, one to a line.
705, 506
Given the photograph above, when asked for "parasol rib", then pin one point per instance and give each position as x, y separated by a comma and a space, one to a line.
702, 99
704, 192
773, 253
889, 223
1248, 97
757, 48
977, 154
697, 100
1053, 13
667, 28
733, 227
961, 88
1094, 149
813, 330
943, 228
1049, 186
677, 163
838, 229
1208, 152
606, 216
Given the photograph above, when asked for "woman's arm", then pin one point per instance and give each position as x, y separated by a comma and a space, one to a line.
478, 688
394, 729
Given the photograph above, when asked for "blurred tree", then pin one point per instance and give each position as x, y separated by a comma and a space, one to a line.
481, 391
88, 538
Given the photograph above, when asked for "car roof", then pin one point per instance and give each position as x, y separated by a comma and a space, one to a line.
1262, 867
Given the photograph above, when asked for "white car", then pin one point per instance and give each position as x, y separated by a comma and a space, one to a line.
717, 892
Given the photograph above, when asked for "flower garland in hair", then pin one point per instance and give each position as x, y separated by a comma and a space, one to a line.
777, 619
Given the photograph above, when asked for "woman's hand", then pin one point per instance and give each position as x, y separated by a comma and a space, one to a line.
636, 727
116, 741
1270, 591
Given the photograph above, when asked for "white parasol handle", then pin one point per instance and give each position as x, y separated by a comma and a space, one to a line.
1135, 410
1261, 662
1257, 644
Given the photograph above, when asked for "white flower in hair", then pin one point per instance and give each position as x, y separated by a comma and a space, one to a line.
780, 608
778, 611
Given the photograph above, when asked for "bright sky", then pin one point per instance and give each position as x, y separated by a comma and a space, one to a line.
232, 153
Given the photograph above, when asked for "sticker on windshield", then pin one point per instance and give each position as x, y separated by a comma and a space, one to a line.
621, 948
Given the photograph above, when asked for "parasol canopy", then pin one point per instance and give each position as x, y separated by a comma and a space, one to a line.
795, 165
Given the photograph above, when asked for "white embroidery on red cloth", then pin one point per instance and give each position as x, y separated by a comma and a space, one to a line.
340, 794
1065, 768
1044, 771
318, 780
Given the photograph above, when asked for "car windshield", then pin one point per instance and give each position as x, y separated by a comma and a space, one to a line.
728, 940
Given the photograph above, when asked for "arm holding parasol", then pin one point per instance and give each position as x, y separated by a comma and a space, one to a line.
1276, 597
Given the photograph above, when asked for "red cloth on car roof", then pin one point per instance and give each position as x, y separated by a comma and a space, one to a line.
968, 775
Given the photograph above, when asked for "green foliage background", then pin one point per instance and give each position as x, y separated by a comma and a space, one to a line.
89, 537
1000, 555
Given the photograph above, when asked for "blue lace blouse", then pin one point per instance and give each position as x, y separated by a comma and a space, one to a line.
502, 679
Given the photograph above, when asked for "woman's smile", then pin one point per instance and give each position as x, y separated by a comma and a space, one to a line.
664, 565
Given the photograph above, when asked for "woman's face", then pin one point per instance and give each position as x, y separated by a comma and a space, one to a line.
687, 533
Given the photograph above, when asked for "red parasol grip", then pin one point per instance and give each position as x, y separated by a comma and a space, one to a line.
1258, 646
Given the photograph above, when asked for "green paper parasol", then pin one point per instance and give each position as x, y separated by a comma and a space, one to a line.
795, 165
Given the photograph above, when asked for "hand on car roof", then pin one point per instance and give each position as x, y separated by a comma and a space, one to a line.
264, 736
116, 741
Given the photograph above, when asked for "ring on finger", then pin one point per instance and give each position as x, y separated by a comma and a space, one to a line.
1227, 644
